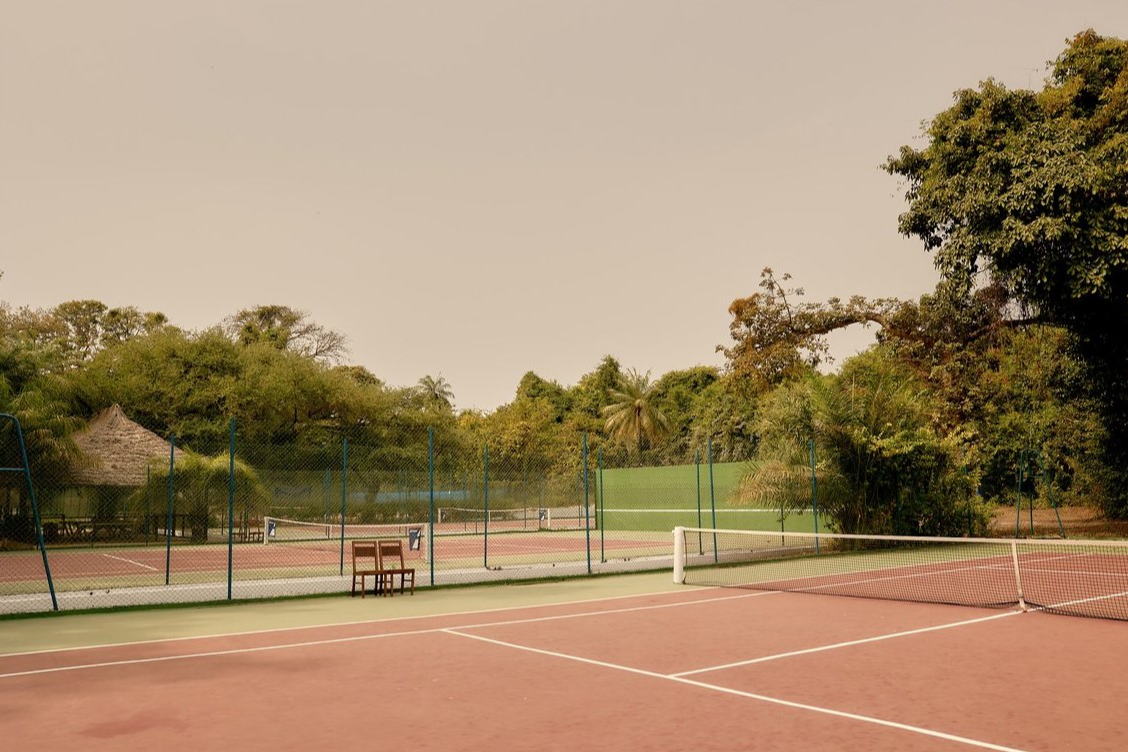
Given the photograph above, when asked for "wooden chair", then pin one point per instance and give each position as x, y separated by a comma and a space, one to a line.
365, 562
391, 563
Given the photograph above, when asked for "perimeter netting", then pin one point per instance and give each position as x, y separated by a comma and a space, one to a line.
1085, 578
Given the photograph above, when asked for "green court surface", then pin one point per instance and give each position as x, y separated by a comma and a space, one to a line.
67, 630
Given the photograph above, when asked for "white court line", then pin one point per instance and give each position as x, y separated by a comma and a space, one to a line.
330, 641
1090, 600
209, 654
131, 562
844, 644
455, 631
898, 576
743, 694
679, 677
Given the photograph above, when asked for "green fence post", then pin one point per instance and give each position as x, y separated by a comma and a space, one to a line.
587, 517
431, 482
149, 516
713, 501
231, 510
26, 469
814, 494
344, 496
1018, 496
486, 507
602, 512
171, 491
697, 469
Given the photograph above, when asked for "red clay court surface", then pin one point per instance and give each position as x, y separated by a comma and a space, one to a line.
149, 563
683, 669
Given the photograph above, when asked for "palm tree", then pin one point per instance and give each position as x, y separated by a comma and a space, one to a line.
202, 485
633, 418
437, 392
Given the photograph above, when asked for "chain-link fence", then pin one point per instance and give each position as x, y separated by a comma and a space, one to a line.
257, 520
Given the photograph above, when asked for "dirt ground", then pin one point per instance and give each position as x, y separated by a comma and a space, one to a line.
1078, 522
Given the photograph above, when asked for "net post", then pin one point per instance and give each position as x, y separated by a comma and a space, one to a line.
679, 555
1017, 576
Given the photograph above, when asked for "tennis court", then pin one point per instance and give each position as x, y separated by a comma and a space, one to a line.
632, 662
107, 567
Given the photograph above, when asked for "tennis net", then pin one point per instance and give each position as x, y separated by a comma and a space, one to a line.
321, 534
478, 520
1083, 578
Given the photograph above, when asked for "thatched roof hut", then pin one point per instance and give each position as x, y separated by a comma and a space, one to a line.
116, 451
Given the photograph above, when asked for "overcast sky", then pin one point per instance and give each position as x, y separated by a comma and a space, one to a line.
474, 190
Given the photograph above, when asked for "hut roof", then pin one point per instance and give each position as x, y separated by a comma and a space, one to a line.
116, 451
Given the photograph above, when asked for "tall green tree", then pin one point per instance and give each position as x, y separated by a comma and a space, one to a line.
1028, 189
724, 416
881, 466
534, 387
633, 418
33, 389
678, 394
593, 391
1028, 416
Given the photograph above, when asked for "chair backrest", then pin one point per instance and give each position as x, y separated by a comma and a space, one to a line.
390, 552
365, 553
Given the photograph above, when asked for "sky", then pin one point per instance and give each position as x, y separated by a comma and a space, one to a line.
479, 189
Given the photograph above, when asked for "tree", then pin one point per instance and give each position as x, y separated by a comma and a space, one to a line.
634, 418
286, 329
534, 387
724, 416
32, 390
172, 382
202, 486
437, 392
881, 467
1028, 415
593, 391
1030, 190
776, 337
83, 328
677, 395
121, 324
